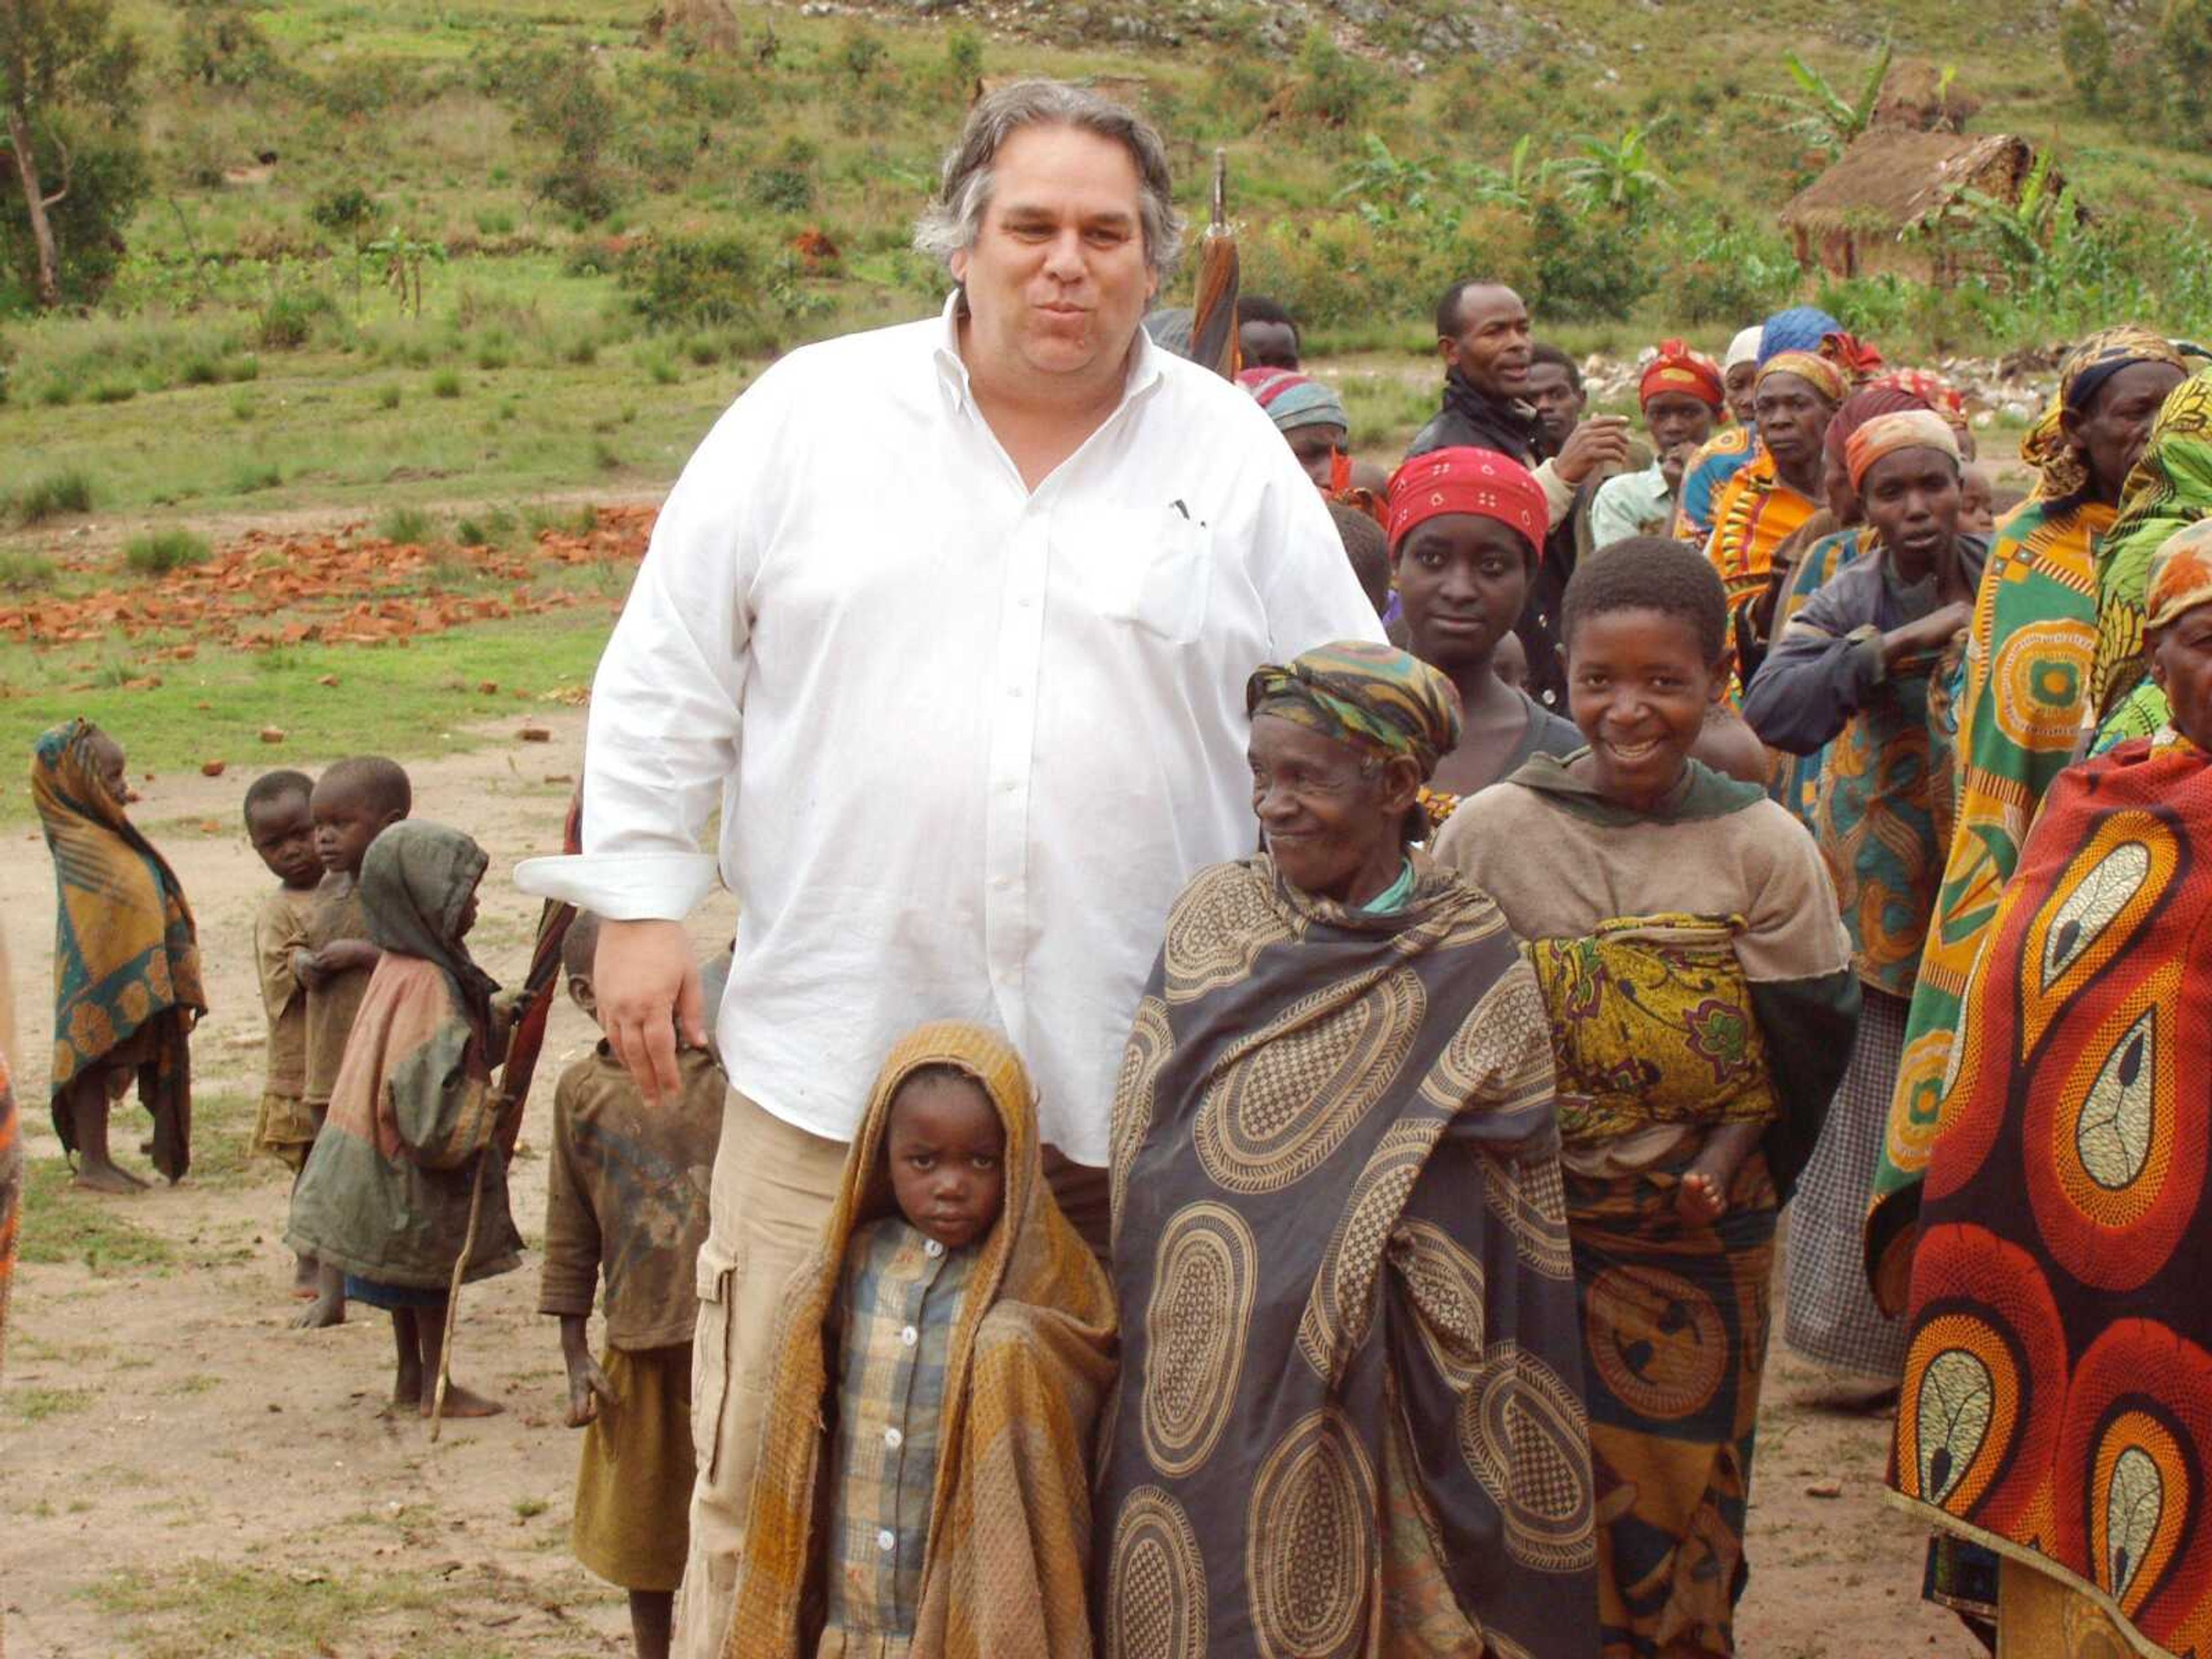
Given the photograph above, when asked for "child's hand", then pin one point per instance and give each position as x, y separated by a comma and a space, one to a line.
588, 1389
308, 968
1700, 1201
344, 955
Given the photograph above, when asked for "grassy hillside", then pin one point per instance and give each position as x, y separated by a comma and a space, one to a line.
607, 235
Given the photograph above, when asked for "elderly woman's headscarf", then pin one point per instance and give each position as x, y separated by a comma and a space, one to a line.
1293, 400
1886, 434
1884, 397
1840, 362
1461, 479
2170, 490
415, 881
2180, 576
2060, 471
1372, 696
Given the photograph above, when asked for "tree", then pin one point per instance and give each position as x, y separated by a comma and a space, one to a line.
63, 66
2085, 46
2185, 50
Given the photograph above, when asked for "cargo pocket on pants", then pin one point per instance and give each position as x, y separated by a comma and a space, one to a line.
710, 1356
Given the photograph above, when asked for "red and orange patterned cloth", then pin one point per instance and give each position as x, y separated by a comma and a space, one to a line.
1678, 369
2057, 1396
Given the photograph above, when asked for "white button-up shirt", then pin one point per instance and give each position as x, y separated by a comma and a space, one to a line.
968, 740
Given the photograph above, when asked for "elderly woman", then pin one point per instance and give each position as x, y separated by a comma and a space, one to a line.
2059, 1354
1351, 1392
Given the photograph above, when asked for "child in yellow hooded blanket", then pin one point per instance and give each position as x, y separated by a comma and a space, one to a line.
940, 1363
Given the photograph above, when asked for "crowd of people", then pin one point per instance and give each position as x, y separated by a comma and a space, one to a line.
1276, 1141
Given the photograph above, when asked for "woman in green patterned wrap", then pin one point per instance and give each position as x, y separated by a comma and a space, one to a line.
1350, 1418
1697, 980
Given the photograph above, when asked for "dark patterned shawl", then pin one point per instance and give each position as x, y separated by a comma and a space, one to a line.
1350, 1390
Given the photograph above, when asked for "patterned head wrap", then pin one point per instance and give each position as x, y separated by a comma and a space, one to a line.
1463, 480
2169, 490
1842, 361
2087, 366
1373, 697
1882, 398
1292, 399
1744, 349
1678, 369
1885, 434
1801, 328
2181, 575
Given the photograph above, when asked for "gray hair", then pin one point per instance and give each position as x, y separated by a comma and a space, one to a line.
950, 222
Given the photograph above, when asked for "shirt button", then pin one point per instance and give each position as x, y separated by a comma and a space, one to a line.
893, 1438
885, 1541
933, 1247
910, 1336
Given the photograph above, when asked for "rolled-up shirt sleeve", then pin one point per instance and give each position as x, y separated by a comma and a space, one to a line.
661, 746
1311, 595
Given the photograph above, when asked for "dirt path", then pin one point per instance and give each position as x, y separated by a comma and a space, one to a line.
185, 1477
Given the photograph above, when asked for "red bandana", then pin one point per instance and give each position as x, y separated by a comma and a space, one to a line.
1477, 481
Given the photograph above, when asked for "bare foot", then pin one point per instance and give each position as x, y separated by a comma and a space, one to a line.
107, 1178
461, 1402
320, 1314
306, 1285
1699, 1201
407, 1390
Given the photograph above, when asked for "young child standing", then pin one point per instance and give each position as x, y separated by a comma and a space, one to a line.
284, 837
958, 1337
626, 1200
353, 802
385, 1197
126, 961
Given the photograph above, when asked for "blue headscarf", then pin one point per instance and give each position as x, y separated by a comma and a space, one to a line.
1801, 328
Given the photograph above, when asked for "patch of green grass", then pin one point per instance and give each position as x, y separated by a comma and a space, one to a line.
248, 478
446, 383
407, 524
63, 1224
114, 392
199, 1609
529, 1509
390, 699
22, 572
36, 1405
66, 491
387, 397
160, 551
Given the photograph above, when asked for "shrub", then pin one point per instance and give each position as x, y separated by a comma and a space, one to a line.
200, 371
570, 108
1589, 268
20, 571
114, 392
1730, 274
676, 281
289, 317
1333, 89
446, 383
2185, 52
387, 397
160, 551
861, 55
249, 477
2085, 47
66, 491
963, 60
408, 524
218, 45
343, 210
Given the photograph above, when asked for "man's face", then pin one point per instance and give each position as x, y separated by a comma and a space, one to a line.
1058, 281
1491, 347
1676, 419
1742, 382
1793, 418
1559, 402
1267, 345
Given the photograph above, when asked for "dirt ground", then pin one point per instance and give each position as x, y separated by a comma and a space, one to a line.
185, 1476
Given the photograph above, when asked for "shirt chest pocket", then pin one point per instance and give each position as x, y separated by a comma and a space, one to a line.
1151, 569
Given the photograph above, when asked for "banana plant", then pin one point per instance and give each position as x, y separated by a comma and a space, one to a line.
1622, 175
1519, 182
1825, 117
2022, 230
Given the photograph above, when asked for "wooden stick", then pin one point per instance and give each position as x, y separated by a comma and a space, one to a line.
453, 1293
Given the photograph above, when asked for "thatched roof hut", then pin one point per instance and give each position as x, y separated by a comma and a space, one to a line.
1881, 206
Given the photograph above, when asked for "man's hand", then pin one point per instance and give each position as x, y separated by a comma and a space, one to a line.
1931, 633
1595, 449
648, 986
1673, 464
588, 1389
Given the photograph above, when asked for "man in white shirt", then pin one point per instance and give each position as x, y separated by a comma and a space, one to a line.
953, 621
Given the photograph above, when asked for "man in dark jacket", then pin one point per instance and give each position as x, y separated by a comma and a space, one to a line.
1482, 335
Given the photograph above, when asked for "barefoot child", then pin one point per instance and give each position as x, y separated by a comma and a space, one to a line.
626, 1197
283, 837
126, 961
957, 1336
353, 802
385, 1197
1684, 935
